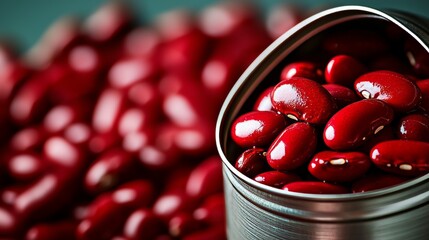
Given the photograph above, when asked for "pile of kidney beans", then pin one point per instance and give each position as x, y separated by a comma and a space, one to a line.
107, 124
347, 113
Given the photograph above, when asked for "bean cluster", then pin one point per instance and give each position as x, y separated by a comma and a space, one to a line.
348, 113
107, 124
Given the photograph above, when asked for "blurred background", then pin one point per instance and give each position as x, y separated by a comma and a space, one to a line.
26, 20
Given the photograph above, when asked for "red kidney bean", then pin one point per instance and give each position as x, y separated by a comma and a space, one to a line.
217, 232
171, 203
62, 155
315, 188
25, 166
62, 116
376, 181
252, 162
339, 166
391, 87
108, 213
414, 127
343, 70
257, 128
287, 151
351, 126
143, 223
109, 170
282, 18
126, 72
147, 97
424, 89
417, 57
403, 157
358, 43
303, 99
343, 96
206, 178
391, 63
142, 42
263, 103
10, 223
276, 179
212, 211
108, 22
78, 134
183, 224
52, 231
109, 107
29, 138
308, 70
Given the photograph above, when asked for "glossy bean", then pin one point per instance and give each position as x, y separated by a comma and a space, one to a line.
413, 127
257, 128
252, 162
339, 166
343, 70
308, 70
109, 170
343, 96
212, 211
169, 204
351, 126
183, 224
276, 179
206, 178
391, 87
403, 157
52, 231
303, 99
26, 166
424, 89
288, 152
314, 188
143, 223
263, 103
377, 181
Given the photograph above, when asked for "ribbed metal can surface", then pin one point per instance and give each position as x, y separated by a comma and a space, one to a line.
256, 211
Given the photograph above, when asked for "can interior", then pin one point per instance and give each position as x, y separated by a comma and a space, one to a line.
301, 43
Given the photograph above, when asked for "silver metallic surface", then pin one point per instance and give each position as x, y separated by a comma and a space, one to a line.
256, 211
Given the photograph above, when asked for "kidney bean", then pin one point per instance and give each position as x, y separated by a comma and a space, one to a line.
276, 179
358, 43
108, 213
315, 188
10, 223
282, 18
25, 167
343, 70
390, 62
171, 203
376, 181
126, 72
112, 168
109, 107
183, 224
78, 134
339, 166
257, 128
351, 126
303, 99
62, 155
308, 70
417, 57
252, 162
287, 151
206, 178
142, 42
263, 103
60, 117
108, 22
217, 232
143, 223
403, 157
30, 138
414, 127
424, 89
343, 96
212, 210
52, 231
391, 87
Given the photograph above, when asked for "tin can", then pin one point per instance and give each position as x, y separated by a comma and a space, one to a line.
256, 211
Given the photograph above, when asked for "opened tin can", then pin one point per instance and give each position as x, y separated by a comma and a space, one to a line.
256, 211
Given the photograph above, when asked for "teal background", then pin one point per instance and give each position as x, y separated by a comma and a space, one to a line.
25, 20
